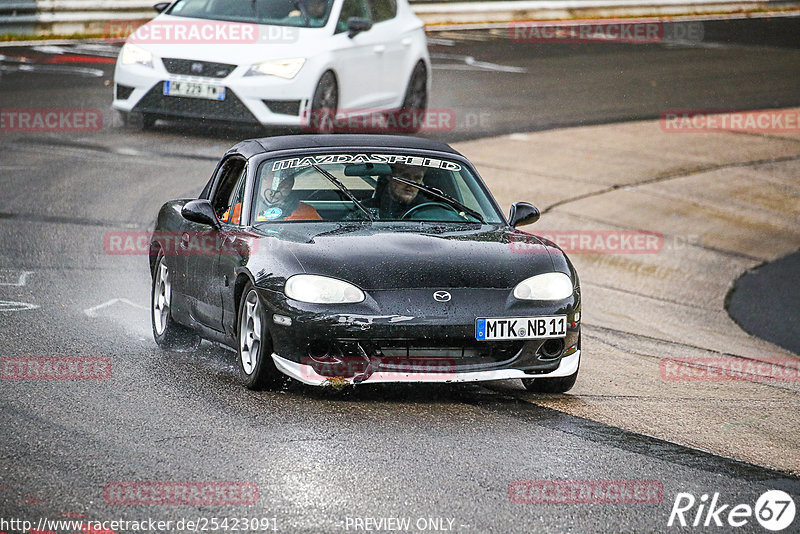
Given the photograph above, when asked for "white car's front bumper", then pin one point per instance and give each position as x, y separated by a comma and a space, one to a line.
307, 375
248, 99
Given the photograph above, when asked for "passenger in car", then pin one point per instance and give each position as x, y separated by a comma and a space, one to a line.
276, 203
392, 198
236, 217
316, 9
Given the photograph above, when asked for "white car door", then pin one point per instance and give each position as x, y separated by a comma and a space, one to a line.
358, 61
396, 46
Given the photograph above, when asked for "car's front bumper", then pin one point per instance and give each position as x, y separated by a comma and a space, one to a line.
308, 375
267, 100
381, 339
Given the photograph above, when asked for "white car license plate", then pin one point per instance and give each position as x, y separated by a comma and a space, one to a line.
505, 328
194, 90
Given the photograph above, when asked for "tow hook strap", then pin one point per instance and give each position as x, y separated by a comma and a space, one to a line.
367, 370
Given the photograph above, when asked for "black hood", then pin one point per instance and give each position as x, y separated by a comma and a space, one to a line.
392, 256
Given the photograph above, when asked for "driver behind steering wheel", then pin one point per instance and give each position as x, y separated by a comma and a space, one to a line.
397, 198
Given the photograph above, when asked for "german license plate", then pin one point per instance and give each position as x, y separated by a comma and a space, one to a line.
194, 90
511, 328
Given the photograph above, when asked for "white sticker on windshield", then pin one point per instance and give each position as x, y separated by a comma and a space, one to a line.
326, 159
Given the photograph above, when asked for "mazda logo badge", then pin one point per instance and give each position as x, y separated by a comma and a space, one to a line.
441, 296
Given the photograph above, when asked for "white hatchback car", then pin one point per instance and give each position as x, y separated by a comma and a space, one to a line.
274, 62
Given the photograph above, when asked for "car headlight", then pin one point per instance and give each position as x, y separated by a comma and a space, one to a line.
133, 55
547, 286
321, 290
283, 68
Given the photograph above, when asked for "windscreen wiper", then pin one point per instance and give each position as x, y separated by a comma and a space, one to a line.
438, 193
335, 181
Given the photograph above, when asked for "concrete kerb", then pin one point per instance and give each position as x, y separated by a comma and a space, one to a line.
62, 18
640, 310
528, 10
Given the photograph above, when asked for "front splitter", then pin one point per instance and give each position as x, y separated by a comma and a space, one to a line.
307, 375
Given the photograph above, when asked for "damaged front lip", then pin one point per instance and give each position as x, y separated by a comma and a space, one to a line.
355, 318
307, 375
359, 321
368, 320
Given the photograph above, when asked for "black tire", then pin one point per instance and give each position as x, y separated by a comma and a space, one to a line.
411, 116
550, 385
168, 334
148, 121
256, 368
124, 118
136, 120
553, 385
324, 104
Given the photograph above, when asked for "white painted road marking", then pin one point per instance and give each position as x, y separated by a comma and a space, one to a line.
20, 276
470, 63
59, 69
92, 312
11, 306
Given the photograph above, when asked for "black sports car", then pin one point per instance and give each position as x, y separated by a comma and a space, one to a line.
363, 259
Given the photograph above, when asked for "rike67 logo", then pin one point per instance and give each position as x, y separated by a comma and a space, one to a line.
774, 510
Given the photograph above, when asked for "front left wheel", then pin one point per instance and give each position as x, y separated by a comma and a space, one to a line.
411, 116
322, 115
256, 367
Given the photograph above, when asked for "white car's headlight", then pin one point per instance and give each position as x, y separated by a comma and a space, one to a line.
321, 290
547, 286
135, 55
283, 68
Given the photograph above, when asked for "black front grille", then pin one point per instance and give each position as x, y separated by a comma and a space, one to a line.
283, 107
463, 352
349, 359
230, 109
468, 351
197, 68
124, 92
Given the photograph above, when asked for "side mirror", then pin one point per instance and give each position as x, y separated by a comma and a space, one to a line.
161, 6
200, 211
523, 213
357, 25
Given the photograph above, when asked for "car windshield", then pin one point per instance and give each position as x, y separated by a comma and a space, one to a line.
301, 13
369, 186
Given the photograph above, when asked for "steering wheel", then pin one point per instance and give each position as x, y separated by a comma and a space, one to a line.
435, 209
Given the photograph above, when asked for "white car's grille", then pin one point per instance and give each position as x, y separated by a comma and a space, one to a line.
197, 68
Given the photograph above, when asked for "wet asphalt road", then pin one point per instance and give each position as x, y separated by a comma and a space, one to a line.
317, 458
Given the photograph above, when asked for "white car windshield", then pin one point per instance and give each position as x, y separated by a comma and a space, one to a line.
300, 13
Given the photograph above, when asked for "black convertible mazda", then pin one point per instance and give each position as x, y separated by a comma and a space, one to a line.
347, 259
